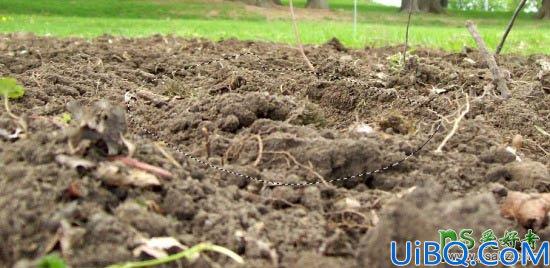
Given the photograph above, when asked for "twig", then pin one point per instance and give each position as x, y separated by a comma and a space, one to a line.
291, 157
455, 126
510, 24
207, 144
298, 39
407, 34
150, 96
539, 147
542, 131
132, 162
260, 150
168, 156
498, 78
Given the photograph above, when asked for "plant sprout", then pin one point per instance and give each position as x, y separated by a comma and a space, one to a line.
9, 89
395, 63
66, 118
189, 254
51, 261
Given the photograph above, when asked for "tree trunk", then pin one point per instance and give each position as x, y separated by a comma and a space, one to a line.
409, 4
544, 12
433, 6
317, 4
444, 3
262, 3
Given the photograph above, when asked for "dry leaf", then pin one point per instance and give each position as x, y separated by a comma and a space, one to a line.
118, 175
74, 162
362, 128
158, 247
142, 179
517, 142
7, 136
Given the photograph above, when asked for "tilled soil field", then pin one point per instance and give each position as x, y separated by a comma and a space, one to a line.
92, 185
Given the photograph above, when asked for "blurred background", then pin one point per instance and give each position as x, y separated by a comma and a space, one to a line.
356, 23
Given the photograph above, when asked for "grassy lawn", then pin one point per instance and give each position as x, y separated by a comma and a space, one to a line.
378, 25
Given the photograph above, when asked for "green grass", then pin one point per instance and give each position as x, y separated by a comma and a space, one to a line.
378, 25
136, 9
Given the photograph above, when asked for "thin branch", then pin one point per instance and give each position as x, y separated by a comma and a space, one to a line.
167, 155
542, 131
455, 126
407, 33
510, 24
207, 143
151, 96
498, 78
260, 150
298, 39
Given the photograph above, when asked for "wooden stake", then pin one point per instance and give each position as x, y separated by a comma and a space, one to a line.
298, 39
407, 34
498, 78
510, 24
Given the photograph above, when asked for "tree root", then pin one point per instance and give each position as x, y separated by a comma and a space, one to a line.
308, 168
455, 125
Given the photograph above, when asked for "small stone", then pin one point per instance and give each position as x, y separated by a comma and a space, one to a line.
517, 142
347, 204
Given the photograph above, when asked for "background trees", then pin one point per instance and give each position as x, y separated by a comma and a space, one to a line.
544, 12
438, 6
542, 7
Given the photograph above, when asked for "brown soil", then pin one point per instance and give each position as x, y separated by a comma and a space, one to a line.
219, 110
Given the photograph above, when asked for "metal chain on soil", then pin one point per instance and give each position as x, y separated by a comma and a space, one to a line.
332, 77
